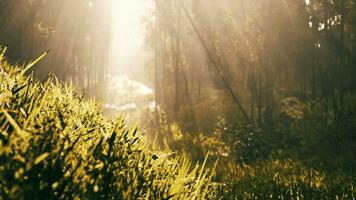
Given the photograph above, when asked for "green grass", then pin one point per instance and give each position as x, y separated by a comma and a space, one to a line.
285, 180
56, 145
243, 173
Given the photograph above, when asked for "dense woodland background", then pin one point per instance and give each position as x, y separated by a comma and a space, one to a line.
252, 83
77, 33
263, 77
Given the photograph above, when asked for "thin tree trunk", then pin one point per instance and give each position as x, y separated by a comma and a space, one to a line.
342, 55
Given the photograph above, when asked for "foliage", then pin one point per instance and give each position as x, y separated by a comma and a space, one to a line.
55, 145
330, 146
284, 180
253, 166
262, 52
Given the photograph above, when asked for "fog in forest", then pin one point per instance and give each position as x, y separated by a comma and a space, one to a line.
127, 95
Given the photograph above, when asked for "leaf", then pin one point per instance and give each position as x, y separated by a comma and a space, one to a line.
19, 89
100, 165
19, 159
2, 53
23, 134
32, 63
5, 96
41, 158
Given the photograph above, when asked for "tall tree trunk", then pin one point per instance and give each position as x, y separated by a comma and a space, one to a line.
194, 126
177, 63
342, 67
157, 58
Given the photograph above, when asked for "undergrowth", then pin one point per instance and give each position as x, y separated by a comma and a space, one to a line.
56, 145
284, 180
247, 171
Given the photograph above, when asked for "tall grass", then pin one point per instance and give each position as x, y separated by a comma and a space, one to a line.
243, 173
56, 145
285, 180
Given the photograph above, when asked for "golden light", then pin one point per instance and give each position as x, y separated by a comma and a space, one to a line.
128, 29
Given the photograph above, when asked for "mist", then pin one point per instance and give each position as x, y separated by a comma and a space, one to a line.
118, 99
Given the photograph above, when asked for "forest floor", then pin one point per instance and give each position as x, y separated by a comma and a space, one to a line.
54, 144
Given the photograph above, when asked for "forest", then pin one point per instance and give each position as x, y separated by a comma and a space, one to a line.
178, 99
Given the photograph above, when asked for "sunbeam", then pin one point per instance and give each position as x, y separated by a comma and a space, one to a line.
260, 94
128, 32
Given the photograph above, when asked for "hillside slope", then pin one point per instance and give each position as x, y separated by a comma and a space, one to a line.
55, 145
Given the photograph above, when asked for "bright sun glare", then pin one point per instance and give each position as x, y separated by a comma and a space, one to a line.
128, 30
